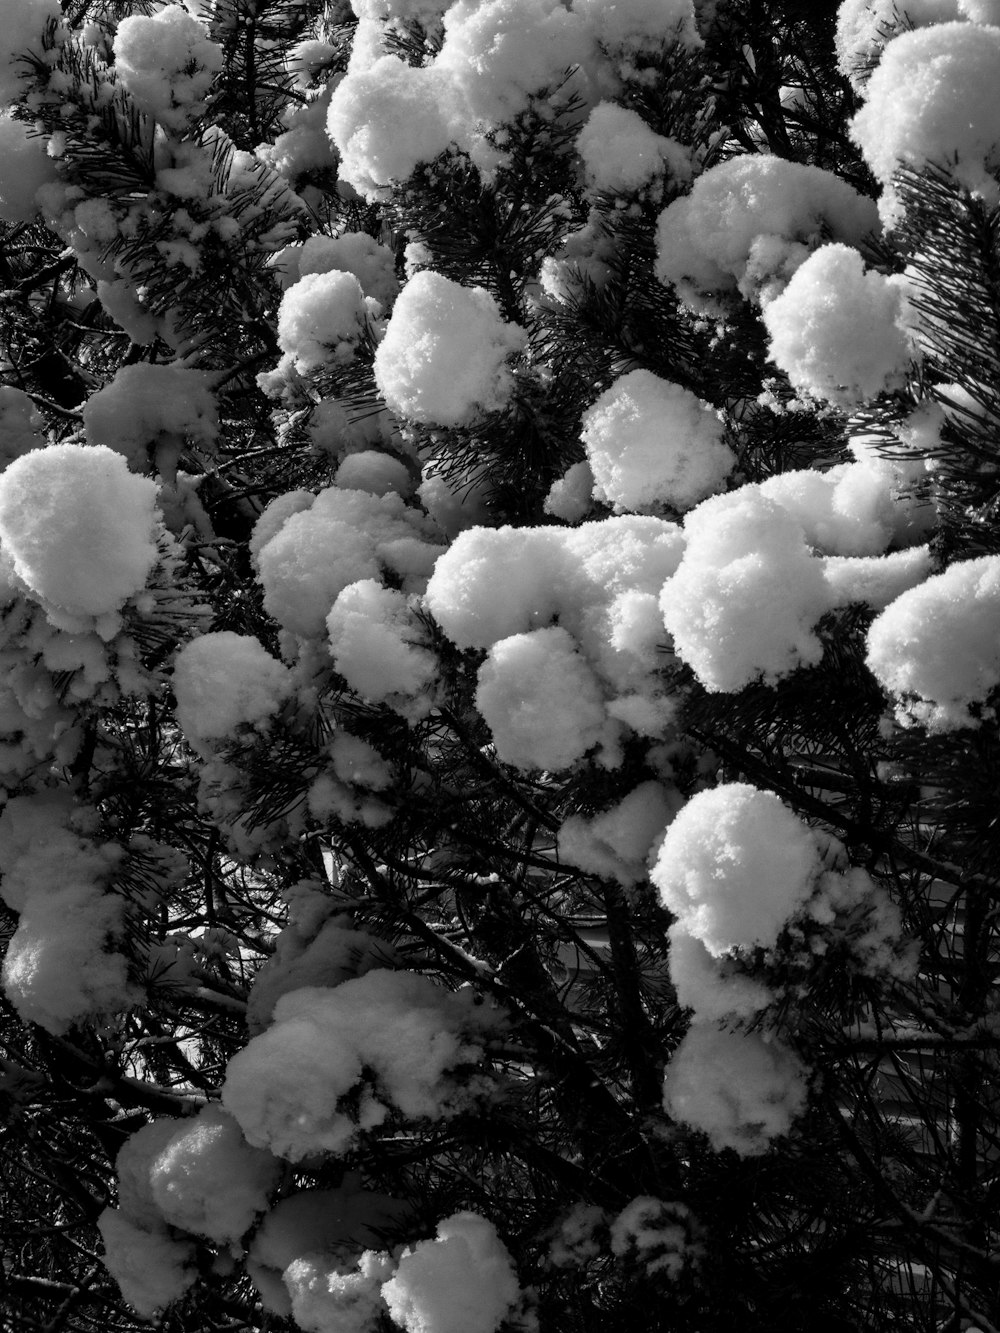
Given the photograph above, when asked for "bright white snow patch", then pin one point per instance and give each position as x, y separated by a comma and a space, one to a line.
443, 360
734, 865
622, 154
385, 120
934, 99
79, 527
836, 329
937, 646
168, 63
541, 700
287, 1087
651, 443
378, 646
322, 318
747, 595
748, 224
462, 1282
616, 843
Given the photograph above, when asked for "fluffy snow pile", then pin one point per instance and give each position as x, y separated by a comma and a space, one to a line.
628, 28
462, 1282
836, 329
79, 528
937, 646
617, 842
714, 988
852, 509
443, 360
197, 1175
309, 549
168, 63
864, 27
622, 154
748, 224
331, 1297
223, 681
739, 1088
651, 443
934, 99
379, 647
499, 55
152, 411
337, 1061
352, 252
322, 318
540, 698
387, 119
25, 167
734, 865
62, 963
24, 23
545, 688
747, 595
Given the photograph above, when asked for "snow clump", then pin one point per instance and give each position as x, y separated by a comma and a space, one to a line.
748, 224
331, 1297
734, 866
739, 1088
379, 647
836, 328
541, 700
322, 318
385, 120
464, 1281
622, 154
152, 1267
652, 443
152, 408
747, 594
937, 646
301, 1087
864, 27
224, 680
206, 1178
79, 527
934, 100
168, 63
640, 27
443, 360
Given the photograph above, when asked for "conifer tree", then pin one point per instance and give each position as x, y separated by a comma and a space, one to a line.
499, 656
